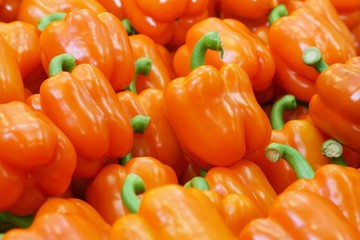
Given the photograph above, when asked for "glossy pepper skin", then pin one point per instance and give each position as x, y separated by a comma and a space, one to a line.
114, 6
336, 100
161, 69
157, 19
245, 178
9, 10
104, 192
169, 212
237, 210
301, 134
326, 10
43, 165
101, 40
11, 82
298, 30
32, 11
345, 5
215, 115
248, 9
60, 218
239, 192
159, 140
99, 131
24, 39
240, 46
337, 184
301, 215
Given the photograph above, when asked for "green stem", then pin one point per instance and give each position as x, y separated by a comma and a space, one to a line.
276, 151
203, 172
46, 20
333, 150
198, 182
277, 12
142, 66
287, 102
13, 221
313, 57
122, 161
210, 40
128, 27
139, 123
63, 62
132, 186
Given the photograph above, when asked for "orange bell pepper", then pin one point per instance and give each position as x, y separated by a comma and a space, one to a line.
11, 82
236, 209
248, 9
245, 178
104, 194
99, 131
332, 108
43, 165
157, 19
301, 134
349, 5
213, 112
24, 40
240, 46
298, 28
159, 140
32, 11
301, 215
60, 218
168, 212
101, 40
326, 10
240, 192
161, 73
114, 6
9, 10
335, 183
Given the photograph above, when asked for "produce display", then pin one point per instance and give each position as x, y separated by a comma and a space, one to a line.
179, 119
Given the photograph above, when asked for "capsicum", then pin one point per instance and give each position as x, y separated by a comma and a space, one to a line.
24, 40
243, 177
9, 10
104, 191
332, 108
159, 139
240, 45
157, 19
213, 112
168, 212
337, 184
236, 209
32, 11
101, 40
60, 218
300, 215
12, 86
297, 28
37, 159
161, 71
301, 134
81, 102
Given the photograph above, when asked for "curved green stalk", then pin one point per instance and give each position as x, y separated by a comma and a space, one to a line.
210, 40
276, 151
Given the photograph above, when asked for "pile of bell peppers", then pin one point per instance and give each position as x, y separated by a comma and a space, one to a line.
203, 119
